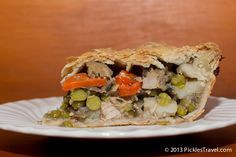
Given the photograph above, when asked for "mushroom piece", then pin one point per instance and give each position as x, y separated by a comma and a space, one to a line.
98, 69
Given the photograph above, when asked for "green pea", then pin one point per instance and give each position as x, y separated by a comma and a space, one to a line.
164, 99
65, 115
184, 102
181, 110
93, 103
63, 106
191, 107
54, 114
66, 99
67, 124
78, 95
188, 104
65, 103
178, 81
76, 104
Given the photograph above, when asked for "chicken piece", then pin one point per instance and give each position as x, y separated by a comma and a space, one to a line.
109, 111
191, 71
199, 68
152, 106
191, 87
155, 79
98, 69
120, 103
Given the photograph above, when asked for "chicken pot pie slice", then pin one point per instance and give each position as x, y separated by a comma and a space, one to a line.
151, 84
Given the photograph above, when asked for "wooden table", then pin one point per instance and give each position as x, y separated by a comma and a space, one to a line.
36, 37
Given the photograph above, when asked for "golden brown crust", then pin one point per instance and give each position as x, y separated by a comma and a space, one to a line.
145, 55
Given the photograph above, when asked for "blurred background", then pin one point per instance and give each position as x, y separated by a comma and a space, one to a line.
36, 36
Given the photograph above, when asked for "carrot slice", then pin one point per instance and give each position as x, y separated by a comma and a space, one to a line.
128, 86
82, 80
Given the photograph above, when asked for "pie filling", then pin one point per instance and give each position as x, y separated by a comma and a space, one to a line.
102, 92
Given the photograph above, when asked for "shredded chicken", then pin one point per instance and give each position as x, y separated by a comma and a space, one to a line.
191, 71
199, 68
99, 69
191, 87
109, 111
152, 106
155, 79
120, 103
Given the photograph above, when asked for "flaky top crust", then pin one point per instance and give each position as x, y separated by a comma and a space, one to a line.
144, 55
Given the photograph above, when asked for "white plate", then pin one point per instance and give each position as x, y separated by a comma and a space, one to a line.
24, 116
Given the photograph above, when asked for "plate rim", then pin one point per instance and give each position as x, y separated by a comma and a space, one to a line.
59, 132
